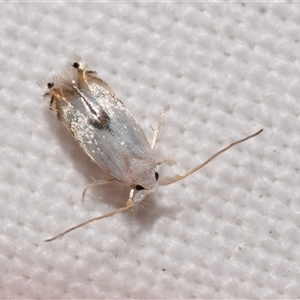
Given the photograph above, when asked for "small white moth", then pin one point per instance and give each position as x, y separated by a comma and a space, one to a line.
110, 135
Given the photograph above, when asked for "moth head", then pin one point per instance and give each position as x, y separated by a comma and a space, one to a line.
140, 188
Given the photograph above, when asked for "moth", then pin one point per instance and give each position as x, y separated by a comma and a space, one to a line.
110, 136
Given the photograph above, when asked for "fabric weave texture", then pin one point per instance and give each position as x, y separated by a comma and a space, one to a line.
231, 230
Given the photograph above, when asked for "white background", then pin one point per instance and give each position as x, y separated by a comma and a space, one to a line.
231, 230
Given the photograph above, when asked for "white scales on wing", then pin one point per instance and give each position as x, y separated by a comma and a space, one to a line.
110, 135
105, 129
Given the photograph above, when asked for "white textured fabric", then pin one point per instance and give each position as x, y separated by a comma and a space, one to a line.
232, 230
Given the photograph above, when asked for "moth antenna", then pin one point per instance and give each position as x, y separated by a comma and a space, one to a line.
128, 206
170, 180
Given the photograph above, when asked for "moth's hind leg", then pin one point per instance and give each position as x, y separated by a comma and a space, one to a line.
95, 183
155, 137
157, 130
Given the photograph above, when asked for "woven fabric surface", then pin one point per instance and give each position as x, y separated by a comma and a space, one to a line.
231, 230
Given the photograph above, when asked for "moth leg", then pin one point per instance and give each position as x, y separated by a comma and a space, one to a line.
128, 206
166, 160
157, 130
95, 183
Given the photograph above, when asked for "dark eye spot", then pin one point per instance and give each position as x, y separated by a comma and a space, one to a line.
139, 187
156, 176
76, 65
50, 85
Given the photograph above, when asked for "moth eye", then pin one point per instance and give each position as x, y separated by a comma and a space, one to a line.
139, 187
156, 176
76, 65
